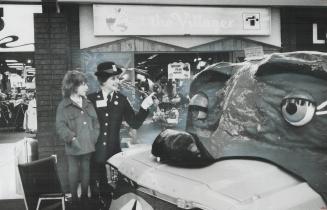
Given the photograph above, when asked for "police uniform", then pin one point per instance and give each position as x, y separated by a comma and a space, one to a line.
111, 112
110, 117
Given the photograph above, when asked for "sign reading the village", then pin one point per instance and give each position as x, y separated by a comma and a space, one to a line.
179, 20
179, 70
17, 27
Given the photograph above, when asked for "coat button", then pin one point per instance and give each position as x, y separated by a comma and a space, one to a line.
107, 114
82, 112
104, 143
84, 123
105, 133
106, 124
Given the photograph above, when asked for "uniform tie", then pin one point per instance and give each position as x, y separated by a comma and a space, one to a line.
108, 99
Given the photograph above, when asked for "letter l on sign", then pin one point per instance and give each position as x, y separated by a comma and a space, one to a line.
315, 39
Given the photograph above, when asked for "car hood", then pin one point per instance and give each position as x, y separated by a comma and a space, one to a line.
226, 184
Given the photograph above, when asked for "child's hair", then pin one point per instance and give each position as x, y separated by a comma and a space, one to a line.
72, 80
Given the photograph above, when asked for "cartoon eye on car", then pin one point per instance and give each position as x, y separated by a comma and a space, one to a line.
256, 139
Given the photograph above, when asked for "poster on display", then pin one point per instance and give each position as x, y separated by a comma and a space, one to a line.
179, 70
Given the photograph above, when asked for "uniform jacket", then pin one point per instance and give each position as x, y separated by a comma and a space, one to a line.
110, 118
80, 122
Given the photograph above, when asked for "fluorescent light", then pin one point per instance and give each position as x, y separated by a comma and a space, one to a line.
11, 61
153, 56
14, 64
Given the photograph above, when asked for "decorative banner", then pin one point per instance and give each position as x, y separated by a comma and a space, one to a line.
179, 70
119, 20
17, 27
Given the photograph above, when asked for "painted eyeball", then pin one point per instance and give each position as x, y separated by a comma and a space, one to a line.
298, 109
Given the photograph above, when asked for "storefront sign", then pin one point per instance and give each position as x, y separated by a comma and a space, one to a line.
179, 70
315, 38
179, 20
17, 27
304, 29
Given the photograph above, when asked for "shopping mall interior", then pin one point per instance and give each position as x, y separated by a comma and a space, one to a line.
156, 64
17, 87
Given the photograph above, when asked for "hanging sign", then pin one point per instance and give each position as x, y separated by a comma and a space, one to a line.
252, 53
179, 70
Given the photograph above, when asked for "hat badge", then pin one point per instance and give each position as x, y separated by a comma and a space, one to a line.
114, 68
116, 103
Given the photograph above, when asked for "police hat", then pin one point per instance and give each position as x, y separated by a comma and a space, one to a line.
107, 69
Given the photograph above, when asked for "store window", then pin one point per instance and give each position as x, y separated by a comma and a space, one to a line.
17, 91
17, 72
156, 64
169, 75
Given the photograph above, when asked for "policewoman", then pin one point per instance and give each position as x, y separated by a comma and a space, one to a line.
112, 108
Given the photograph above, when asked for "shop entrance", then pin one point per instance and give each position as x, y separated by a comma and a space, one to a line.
157, 72
156, 64
17, 91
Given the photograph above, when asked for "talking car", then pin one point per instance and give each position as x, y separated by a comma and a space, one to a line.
256, 138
